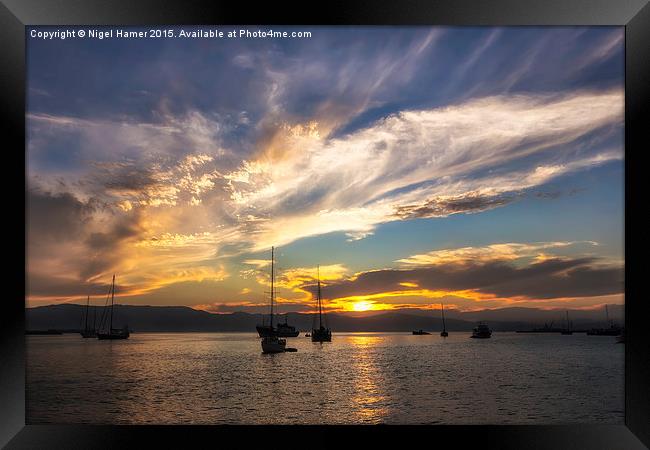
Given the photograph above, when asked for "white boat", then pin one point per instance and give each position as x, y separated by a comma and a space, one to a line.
273, 344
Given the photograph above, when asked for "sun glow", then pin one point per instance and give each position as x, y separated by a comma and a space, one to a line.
362, 306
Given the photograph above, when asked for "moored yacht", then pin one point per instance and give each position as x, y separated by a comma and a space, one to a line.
88, 332
322, 333
567, 330
613, 330
443, 333
113, 333
272, 343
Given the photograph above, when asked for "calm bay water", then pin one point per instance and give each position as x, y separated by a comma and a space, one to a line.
396, 378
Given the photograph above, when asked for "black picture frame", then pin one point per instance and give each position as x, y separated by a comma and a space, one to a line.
633, 14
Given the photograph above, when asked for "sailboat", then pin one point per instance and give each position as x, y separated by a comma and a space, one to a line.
568, 325
443, 333
87, 332
613, 330
272, 343
322, 333
113, 333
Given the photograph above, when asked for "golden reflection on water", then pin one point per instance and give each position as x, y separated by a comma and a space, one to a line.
369, 398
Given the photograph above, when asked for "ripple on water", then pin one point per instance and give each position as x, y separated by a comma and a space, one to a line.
358, 378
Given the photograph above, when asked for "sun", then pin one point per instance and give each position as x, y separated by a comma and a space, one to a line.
361, 306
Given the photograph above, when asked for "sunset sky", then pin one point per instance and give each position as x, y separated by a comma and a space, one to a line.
482, 167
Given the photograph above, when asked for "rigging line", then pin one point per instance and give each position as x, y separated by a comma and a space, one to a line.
102, 321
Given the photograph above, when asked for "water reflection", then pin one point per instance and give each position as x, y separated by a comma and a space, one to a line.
369, 401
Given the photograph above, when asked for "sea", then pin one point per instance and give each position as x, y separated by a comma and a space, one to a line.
358, 378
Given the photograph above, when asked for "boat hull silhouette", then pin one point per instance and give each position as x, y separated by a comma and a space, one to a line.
321, 335
115, 334
281, 331
88, 334
614, 331
481, 332
273, 345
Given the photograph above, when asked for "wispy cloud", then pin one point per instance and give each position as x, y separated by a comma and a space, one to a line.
490, 253
419, 163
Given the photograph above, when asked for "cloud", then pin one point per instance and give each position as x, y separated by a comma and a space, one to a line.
547, 279
253, 308
427, 163
609, 45
259, 263
470, 202
489, 253
494, 275
58, 216
50, 286
304, 181
463, 158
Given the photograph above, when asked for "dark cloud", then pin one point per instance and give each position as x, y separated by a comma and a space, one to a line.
466, 203
62, 230
126, 227
58, 216
131, 179
552, 278
552, 195
104, 247
53, 286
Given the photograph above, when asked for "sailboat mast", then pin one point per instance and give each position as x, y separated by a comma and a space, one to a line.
320, 312
567, 320
110, 329
87, 304
272, 268
442, 309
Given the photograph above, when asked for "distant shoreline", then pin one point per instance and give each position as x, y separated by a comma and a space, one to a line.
69, 318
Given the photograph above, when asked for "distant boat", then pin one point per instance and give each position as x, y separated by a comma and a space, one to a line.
567, 330
420, 332
272, 343
87, 332
482, 331
322, 333
613, 330
443, 333
113, 333
545, 329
